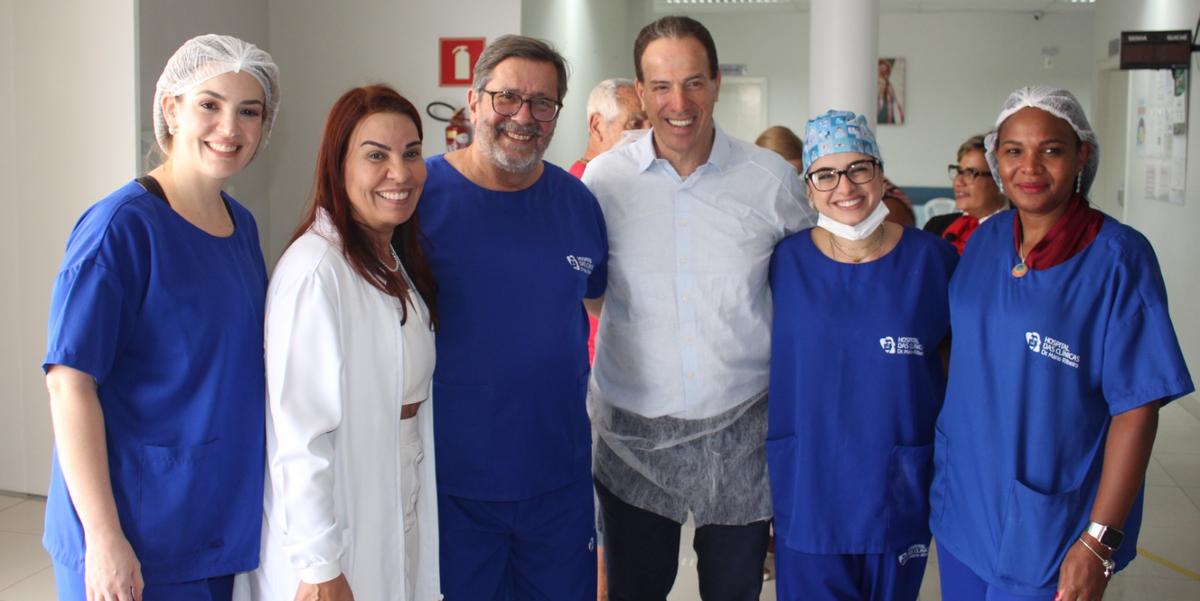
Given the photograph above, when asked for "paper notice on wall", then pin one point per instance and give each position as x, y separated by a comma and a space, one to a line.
1159, 132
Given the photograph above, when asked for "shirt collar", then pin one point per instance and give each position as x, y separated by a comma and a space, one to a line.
720, 157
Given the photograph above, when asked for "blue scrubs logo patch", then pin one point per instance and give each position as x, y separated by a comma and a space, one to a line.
903, 345
1056, 350
913, 552
583, 264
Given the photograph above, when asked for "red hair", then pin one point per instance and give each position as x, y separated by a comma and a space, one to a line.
329, 193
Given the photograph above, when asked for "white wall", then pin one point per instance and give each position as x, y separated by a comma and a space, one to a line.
164, 25
324, 48
12, 475
1170, 228
594, 37
68, 105
961, 66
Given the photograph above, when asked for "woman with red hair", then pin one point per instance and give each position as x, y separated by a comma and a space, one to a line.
350, 502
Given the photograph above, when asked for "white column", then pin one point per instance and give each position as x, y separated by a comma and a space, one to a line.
843, 54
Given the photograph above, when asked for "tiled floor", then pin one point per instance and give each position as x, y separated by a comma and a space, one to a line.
1168, 568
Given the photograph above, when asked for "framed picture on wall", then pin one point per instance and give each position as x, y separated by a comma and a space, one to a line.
890, 100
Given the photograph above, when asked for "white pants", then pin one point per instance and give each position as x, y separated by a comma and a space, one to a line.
410, 485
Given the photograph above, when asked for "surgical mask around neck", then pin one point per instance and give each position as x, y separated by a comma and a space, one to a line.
859, 231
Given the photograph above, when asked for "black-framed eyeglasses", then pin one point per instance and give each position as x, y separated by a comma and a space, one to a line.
968, 173
508, 103
858, 172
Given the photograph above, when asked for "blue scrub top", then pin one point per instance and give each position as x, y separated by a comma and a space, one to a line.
512, 270
169, 321
1038, 367
856, 383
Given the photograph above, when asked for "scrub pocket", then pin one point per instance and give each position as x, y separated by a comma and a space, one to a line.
1038, 529
907, 502
781, 468
178, 514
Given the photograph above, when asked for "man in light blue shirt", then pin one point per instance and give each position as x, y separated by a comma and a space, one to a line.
678, 395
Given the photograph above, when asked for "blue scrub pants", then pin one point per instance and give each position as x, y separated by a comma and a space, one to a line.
959, 583
539, 549
71, 587
865, 577
641, 554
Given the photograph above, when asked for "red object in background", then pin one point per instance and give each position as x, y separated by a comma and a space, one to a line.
457, 57
458, 131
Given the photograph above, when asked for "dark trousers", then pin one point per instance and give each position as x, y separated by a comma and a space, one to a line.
641, 551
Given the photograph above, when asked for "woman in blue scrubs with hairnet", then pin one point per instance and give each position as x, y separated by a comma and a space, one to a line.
860, 311
155, 355
1063, 353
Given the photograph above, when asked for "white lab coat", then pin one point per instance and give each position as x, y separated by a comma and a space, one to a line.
335, 382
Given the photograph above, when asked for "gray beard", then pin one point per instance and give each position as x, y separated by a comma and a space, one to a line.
506, 162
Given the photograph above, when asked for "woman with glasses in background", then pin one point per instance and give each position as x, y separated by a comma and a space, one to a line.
976, 194
856, 380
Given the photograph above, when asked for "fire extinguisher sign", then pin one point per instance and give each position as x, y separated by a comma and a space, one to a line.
458, 56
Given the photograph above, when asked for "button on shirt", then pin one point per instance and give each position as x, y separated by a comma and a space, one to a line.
686, 325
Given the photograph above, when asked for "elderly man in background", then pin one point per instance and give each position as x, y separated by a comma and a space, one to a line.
515, 244
613, 108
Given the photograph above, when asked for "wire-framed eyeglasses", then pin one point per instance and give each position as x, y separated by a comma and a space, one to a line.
858, 172
508, 103
969, 174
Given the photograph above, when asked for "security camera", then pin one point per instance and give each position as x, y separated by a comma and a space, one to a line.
1037, 15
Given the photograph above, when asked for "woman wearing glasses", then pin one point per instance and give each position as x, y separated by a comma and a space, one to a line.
1063, 352
975, 193
856, 380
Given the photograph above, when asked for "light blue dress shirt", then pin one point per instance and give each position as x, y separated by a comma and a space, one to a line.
687, 316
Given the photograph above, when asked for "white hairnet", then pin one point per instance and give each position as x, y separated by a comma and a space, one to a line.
1057, 102
205, 57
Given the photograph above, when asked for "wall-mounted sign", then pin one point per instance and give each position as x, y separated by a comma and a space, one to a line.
1156, 49
458, 56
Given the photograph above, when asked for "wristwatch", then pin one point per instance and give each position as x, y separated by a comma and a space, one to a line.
1107, 535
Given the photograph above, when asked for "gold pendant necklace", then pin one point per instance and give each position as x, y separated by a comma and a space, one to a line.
853, 259
1020, 269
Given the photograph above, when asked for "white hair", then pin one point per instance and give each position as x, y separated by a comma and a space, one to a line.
603, 98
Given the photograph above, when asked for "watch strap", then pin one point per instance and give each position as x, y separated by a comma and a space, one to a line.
1107, 535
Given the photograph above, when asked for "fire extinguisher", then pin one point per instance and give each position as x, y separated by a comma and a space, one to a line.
458, 126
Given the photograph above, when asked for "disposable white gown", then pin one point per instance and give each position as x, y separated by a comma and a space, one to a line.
335, 381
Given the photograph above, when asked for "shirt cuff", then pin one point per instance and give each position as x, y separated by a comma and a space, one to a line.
320, 573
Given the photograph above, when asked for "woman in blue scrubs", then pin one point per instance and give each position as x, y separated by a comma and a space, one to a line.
1063, 353
856, 380
155, 356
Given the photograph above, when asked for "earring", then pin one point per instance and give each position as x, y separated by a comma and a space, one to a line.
1078, 182
171, 130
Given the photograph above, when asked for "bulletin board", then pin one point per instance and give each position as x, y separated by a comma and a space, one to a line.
1158, 129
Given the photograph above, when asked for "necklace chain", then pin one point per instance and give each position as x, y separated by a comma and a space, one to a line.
875, 248
395, 257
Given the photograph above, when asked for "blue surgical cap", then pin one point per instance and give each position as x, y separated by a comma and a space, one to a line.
838, 131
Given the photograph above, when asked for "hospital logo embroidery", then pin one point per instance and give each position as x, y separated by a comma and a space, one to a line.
583, 264
903, 345
1050, 348
913, 552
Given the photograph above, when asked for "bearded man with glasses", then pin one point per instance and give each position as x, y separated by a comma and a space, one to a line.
515, 244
